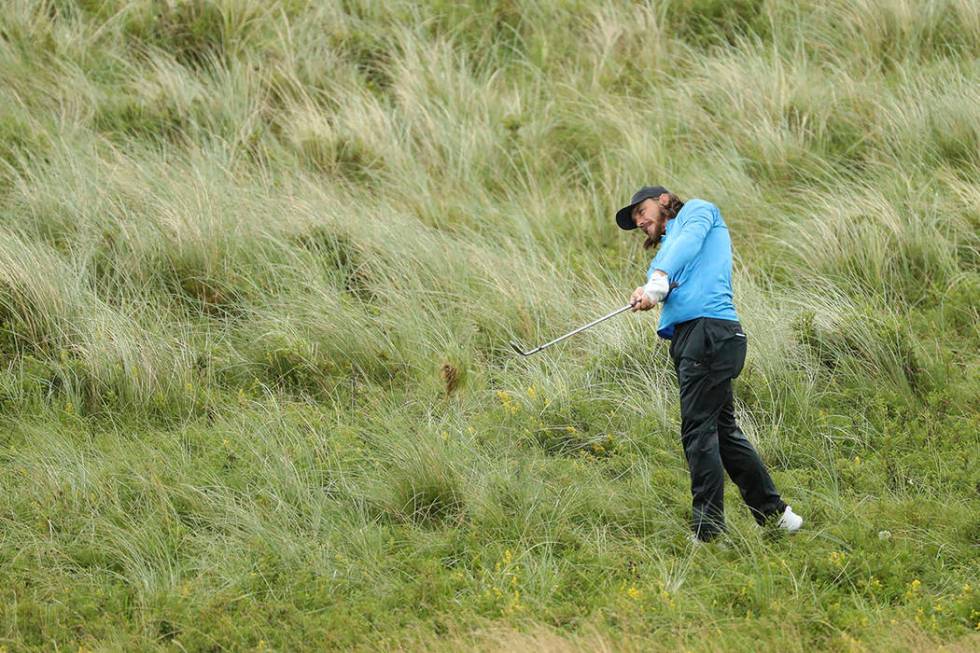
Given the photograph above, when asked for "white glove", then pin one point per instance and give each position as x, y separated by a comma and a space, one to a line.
656, 288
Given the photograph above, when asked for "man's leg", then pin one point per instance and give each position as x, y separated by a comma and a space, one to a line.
702, 398
744, 465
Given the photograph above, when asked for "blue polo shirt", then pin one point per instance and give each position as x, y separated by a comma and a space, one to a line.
696, 254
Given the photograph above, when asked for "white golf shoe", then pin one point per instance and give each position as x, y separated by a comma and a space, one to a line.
789, 521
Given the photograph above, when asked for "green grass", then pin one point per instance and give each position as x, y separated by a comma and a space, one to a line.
259, 263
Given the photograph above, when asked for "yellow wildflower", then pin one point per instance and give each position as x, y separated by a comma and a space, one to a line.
913, 589
515, 604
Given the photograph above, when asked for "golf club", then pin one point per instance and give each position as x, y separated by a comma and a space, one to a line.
518, 349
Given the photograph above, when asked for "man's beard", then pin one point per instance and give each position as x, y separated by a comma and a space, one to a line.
653, 241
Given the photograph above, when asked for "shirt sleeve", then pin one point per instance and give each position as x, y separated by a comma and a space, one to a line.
686, 243
655, 263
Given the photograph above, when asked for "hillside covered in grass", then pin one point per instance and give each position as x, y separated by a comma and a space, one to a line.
260, 263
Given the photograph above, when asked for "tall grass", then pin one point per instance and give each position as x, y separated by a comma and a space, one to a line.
259, 264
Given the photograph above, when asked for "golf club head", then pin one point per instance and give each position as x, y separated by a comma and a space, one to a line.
517, 348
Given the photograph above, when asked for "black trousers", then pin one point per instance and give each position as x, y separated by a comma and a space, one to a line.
707, 355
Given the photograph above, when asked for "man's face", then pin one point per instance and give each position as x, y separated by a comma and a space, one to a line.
648, 217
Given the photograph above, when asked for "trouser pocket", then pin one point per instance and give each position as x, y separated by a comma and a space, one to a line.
690, 341
727, 346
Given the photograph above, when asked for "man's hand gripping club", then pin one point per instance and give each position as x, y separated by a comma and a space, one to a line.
655, 291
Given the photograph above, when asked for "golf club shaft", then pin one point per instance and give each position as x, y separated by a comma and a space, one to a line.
580, 329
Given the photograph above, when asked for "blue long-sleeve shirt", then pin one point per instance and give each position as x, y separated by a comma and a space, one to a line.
696, 254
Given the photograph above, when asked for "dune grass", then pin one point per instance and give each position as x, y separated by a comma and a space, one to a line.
259, 263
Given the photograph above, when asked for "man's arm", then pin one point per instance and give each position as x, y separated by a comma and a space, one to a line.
685, 244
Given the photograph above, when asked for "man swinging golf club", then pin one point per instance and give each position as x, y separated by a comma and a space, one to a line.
692, 275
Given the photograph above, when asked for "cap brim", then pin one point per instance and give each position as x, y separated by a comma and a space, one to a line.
624, 217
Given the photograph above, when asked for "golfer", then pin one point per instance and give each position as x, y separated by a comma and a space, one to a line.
692, 275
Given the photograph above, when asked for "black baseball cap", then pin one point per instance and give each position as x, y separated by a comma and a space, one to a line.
624, 216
